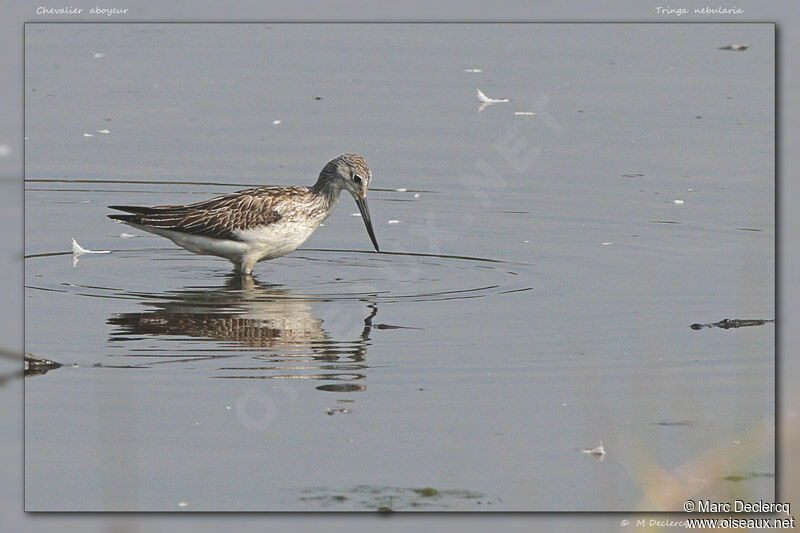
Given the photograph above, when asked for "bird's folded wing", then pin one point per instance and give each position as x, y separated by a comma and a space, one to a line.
220, 217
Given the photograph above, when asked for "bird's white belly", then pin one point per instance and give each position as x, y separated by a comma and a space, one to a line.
275, 240
200, 244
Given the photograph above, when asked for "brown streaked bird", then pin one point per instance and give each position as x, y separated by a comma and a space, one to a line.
257, 224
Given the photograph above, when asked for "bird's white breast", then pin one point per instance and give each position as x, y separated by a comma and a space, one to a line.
275, 240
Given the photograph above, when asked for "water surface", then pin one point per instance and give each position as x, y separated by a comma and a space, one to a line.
541, 277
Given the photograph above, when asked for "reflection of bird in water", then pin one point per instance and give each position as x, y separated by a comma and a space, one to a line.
247, 314
257, 224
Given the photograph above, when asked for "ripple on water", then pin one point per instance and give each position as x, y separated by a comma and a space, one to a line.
302, 325
386, 277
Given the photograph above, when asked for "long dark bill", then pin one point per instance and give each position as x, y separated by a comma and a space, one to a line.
362, 206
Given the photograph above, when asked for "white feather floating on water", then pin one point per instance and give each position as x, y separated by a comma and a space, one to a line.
77, 249
486, 100
599, 451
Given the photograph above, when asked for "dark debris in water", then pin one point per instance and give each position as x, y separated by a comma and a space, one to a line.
342, 387
390, 326
745, 476
734, 477
730, 323
390, 499
734, 47
670, 422
36, 366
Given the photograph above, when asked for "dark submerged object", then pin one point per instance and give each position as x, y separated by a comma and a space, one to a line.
729, 323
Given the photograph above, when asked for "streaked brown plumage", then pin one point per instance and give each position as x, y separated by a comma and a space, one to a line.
257, 224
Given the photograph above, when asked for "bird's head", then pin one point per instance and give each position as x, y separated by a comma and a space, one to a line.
351, 172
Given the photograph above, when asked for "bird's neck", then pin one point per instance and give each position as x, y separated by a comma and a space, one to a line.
328, 191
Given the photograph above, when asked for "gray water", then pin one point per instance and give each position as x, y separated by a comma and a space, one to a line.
541, 277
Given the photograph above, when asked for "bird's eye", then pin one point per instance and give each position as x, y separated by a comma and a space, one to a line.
356, 178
